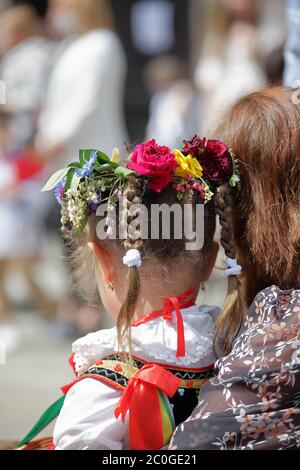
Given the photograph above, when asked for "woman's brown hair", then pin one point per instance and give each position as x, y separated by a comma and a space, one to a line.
261, 227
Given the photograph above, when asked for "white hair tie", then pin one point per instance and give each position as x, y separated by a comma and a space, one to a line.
133, 258
234, 269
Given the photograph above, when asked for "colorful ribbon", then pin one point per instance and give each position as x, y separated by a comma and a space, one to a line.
141, 399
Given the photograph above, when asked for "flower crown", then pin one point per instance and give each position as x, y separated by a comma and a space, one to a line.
199, 168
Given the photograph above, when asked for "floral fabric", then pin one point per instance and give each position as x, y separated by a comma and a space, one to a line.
253, 402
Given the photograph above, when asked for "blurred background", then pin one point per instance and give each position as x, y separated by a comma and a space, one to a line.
100, 74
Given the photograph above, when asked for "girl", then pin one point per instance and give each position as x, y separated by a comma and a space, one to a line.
253, 402
138, 380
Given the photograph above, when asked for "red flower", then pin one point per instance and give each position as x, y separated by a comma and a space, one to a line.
216, 161
194, 146
214, 156
118, 368
157, 162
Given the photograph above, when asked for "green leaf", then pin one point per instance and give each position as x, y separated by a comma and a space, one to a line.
105, 167
75, 165
85, 155
102, 157
70, 176
55, 179
123, 172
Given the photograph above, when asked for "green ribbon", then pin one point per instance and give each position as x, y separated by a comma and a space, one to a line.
47, 417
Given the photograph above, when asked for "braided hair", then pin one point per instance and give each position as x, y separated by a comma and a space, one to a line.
132, 195
232, 314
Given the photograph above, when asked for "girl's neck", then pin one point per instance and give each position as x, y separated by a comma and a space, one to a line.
153, 295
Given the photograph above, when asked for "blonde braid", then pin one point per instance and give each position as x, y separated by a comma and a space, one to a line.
133, 241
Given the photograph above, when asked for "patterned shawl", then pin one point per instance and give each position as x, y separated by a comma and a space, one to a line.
253, 402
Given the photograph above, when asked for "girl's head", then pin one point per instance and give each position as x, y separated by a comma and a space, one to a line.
262, 225
167, 269
158, 204
17, 24
77, 16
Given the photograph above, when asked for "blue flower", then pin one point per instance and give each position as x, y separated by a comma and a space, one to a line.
93, 206
88, 167
59, 191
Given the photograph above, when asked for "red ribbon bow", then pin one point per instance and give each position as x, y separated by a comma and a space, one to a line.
171, 305
141, 400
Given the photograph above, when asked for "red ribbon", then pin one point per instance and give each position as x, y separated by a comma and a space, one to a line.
141, 400
171, 305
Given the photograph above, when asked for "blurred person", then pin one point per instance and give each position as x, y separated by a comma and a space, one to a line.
292, 46
23, 69
174, 105
84, 99
275, 66
24, 66
231, 63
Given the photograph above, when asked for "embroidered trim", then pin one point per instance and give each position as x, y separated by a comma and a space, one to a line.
118, 372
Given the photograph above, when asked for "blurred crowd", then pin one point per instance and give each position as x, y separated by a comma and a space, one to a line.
63, 85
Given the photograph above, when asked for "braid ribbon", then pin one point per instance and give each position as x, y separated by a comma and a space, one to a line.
234, 269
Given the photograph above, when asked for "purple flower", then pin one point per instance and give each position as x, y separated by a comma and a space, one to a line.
93, 206
88, 167
59, 191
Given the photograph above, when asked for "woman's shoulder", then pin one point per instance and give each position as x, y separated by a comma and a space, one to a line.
269, 336
273, 305
97, 49
100, 40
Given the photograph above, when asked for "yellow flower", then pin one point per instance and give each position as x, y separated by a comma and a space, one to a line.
187, 165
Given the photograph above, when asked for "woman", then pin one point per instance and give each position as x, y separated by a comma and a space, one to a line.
25, 56
84, 102
253, 400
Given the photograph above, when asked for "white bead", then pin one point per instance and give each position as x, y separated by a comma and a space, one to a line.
234, 269
133, 258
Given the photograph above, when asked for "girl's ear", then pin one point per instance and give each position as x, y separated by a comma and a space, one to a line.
210, 261
103, 260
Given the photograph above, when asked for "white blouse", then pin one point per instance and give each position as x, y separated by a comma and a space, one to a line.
87, 420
